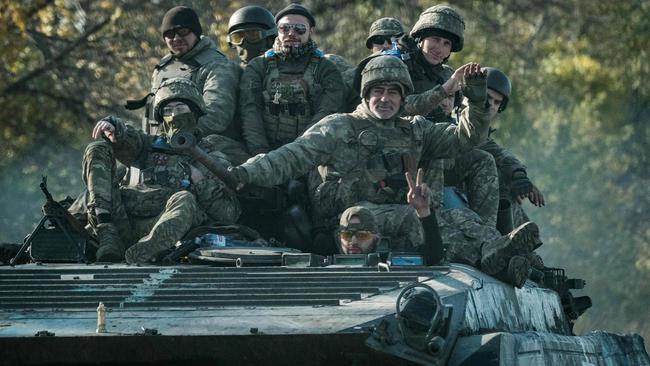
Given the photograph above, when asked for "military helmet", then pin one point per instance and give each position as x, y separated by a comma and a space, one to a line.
389, 27
499, 82
181, 89
385, 69
441, 20
252, 15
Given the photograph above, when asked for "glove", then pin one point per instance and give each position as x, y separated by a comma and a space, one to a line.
475, 88
238, 178
520, 184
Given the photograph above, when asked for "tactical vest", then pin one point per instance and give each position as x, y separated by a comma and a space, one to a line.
165, 168
288, 99
384, 155
170, 67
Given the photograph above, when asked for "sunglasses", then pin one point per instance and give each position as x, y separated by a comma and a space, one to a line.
360, 234
173, 32
382, 39
285, 28
252, 35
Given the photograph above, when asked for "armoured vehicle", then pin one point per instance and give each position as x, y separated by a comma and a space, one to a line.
242, 305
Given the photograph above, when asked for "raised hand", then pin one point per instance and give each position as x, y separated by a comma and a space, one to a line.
106, 128
419, 194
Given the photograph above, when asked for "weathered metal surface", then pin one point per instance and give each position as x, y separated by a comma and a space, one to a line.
281, 315
539, 349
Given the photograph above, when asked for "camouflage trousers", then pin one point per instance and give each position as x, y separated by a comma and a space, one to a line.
149, 219
399, 223
474, 174
463, 234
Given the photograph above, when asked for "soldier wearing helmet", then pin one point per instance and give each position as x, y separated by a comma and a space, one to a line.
252, 31
291, 87
383, 32
138, 223
194, 56
438, 32
514, 184
362, 156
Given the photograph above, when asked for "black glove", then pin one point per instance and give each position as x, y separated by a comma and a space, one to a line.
475, 88
520, 184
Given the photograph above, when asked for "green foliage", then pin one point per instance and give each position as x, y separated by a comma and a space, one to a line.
578, 115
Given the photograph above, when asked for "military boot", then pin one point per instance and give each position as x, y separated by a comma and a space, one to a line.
111, 248
495, 255
517, 271
535, 261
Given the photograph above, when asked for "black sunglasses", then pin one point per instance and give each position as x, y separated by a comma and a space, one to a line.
173, 32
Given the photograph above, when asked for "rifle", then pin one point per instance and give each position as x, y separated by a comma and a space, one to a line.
70, 227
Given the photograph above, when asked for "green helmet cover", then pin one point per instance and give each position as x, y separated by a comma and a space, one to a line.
389, 27
181, 89
442, 18
385, 69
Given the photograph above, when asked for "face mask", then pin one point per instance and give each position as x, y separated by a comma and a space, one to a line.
249, 50
179, 122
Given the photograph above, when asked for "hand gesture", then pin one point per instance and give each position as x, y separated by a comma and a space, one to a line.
106, 128
534, 196
419, 194
459, 78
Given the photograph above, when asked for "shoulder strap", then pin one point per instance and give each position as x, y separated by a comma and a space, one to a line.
164, 61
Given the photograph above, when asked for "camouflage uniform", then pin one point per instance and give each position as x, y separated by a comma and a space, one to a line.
283, 94
215, 76
160, 211
360, 155
440, 20
506, 163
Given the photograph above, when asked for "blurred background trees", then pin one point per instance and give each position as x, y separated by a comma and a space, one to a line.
579, 114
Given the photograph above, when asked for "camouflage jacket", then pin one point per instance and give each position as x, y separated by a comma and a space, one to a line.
216, 77
505, 160
364, 150
427, 81
328, 97
161, 167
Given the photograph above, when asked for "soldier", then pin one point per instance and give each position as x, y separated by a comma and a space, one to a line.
177, 193
252, 31
358, 232
365, 150
438, 32
361, 152
383, 32
195, 57
514, 184
290, 88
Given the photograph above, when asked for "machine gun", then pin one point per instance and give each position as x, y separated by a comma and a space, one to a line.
58, 237
555, 279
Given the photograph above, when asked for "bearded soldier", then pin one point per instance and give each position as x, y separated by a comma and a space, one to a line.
290, 88
177, 193
251, 31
